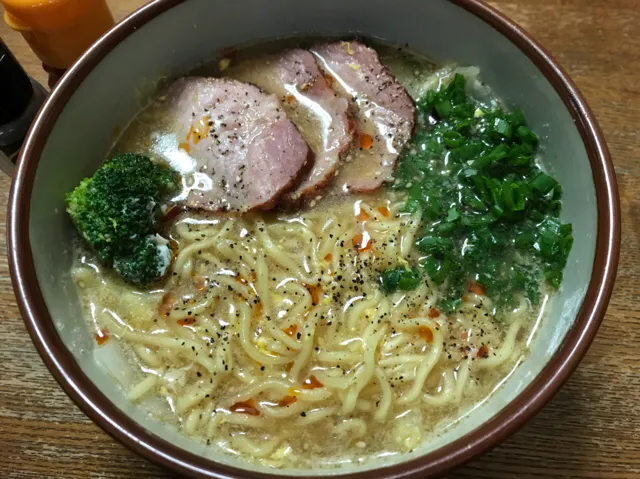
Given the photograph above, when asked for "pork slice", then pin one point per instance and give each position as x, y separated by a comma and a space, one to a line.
318, 112
384, 112
246, 151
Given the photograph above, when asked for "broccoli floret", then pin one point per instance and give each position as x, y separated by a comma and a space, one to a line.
148, 262
117, 211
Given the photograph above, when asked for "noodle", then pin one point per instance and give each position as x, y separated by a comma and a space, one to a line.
271, 338
292, 343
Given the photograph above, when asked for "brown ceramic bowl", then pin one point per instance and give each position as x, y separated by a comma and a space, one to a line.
103, 90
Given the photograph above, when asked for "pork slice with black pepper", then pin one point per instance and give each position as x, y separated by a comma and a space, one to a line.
246, 151
318, 112
384, 112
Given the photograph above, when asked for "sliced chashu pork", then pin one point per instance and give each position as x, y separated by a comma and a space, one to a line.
384, 112
319, 114
247, 151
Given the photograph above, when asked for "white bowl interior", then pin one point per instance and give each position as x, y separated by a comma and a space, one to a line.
177, 40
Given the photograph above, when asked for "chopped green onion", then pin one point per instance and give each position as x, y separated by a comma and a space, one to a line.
402, 279
543, 183
526, 135
488, 213
503, 127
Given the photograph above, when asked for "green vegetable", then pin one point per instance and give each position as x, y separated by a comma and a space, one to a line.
402, 279
489, 214
543, 183
117, 212
554, 241
146, 263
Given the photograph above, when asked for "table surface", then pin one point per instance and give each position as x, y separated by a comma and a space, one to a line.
590, 430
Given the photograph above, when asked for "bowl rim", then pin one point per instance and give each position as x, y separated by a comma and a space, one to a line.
116, 423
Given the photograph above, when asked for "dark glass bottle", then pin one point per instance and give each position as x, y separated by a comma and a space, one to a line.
15, 87
20, 98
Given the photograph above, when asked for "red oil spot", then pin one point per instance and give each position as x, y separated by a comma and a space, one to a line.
426, 334
316, 293
362, 216
102, 336
286, 401
311, 383
483, 352
362, 242
245, 407
291, 330
186, 321
384, 211
168, 301
366, 141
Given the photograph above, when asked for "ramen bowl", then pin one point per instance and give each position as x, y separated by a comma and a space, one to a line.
167, 38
